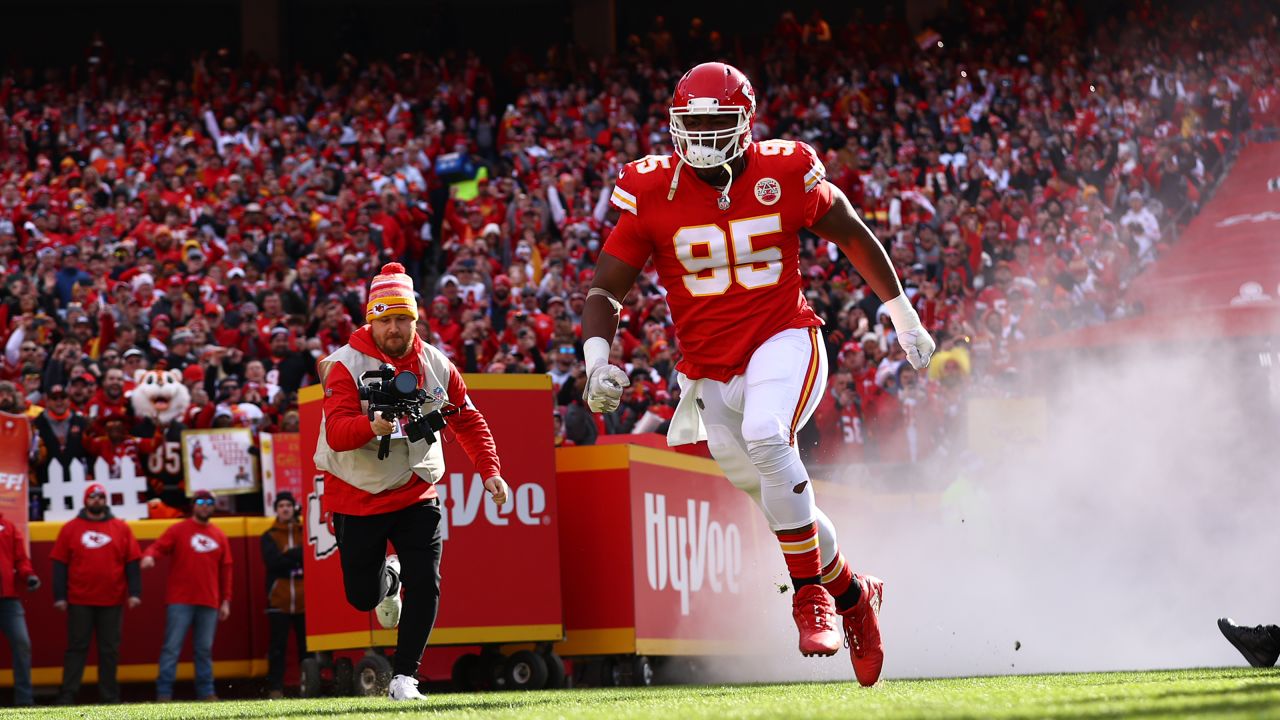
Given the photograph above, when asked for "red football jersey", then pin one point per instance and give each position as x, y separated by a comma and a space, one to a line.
732, 276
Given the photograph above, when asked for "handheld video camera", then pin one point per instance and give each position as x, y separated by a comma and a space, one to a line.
396, 395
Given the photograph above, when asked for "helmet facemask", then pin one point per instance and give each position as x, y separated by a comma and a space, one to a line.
710, 148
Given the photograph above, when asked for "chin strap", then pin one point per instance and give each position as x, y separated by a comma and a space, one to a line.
675, 178
724, 194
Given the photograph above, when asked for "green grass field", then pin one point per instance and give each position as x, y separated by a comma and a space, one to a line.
1237, 693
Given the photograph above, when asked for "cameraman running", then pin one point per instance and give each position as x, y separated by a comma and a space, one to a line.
394, 499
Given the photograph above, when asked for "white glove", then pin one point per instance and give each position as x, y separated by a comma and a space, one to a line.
912, 336
919, 346
604, 387
604, 381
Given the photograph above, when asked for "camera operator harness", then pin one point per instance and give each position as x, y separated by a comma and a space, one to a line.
397, 395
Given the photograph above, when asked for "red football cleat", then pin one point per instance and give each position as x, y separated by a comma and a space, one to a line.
862, 630
814, 612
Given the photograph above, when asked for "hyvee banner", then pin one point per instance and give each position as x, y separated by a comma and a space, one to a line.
219, 461
281, 467
15, 441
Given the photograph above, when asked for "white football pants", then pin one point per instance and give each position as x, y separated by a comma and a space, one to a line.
751, 423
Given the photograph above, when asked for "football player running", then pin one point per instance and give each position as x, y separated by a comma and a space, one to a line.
720, 221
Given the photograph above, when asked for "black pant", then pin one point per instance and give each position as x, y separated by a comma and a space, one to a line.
414, 532
83, 621
281, 623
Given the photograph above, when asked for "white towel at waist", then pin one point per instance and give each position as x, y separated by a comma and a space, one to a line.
686, 424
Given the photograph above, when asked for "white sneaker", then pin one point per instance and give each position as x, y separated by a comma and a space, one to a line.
388, 611
404, 687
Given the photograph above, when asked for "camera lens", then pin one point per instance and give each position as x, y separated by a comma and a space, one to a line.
405, 383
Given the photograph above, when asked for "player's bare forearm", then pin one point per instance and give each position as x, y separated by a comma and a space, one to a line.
599, 315
842, 226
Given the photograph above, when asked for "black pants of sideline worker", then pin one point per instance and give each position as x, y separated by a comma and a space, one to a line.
281, 623
83, 622
415, 534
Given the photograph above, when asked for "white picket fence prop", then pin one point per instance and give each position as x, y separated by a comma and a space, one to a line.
126, 490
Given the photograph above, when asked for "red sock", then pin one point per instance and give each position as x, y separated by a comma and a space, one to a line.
804, 559
837, 578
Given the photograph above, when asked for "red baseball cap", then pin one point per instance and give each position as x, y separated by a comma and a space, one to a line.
193, 374
95, 488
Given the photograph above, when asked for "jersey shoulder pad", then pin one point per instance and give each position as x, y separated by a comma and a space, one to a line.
637, 178
794, 156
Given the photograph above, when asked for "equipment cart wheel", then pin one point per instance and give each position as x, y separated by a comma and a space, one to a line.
642, 673
555, 670
372, 675
310, 684
525, 670
343, 676
466, 674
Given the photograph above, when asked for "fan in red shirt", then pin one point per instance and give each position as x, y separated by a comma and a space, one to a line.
16, 571
198, 594
110, 400
95, 575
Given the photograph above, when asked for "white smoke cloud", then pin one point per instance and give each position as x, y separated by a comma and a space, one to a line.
1151, 509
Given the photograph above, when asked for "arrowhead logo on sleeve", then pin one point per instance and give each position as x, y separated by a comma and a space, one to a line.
94, 540
202, 543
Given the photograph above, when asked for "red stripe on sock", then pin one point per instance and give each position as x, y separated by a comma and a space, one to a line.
807, 564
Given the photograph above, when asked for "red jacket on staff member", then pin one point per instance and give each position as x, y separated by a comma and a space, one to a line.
377, 497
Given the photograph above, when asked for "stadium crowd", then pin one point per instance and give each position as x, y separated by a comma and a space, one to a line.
1020, 165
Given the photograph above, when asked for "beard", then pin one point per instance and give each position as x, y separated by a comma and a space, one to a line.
395, 347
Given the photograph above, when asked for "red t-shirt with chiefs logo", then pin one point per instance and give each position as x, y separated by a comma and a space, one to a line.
95, 553
732, 276
200, 573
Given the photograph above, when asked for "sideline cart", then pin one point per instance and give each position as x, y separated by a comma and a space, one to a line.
660, 555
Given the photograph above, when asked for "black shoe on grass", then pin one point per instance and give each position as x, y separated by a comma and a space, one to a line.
1260, 644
